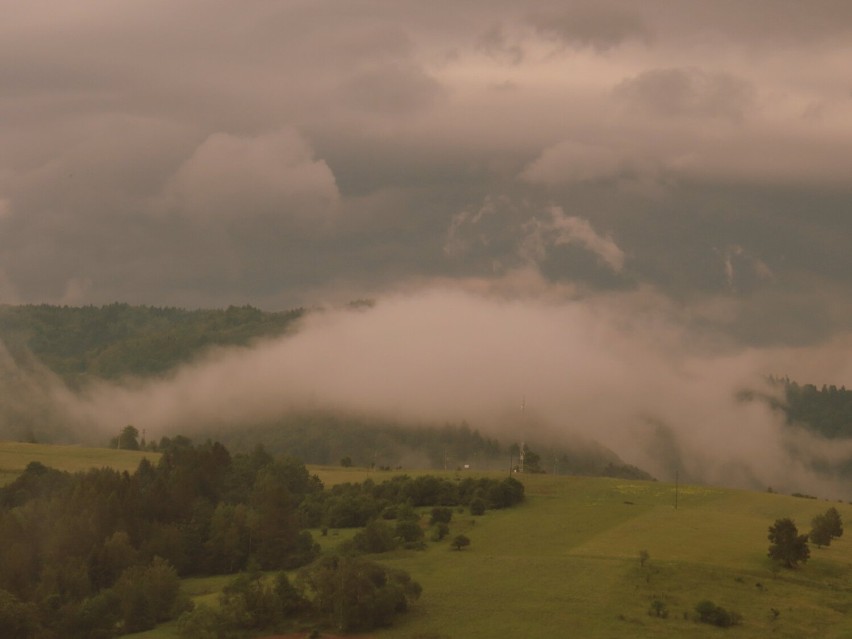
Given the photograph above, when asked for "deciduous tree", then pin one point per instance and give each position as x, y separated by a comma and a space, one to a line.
787, 546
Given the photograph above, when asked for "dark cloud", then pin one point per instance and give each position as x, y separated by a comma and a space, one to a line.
593, 25
293, 153
687, 92
391, 89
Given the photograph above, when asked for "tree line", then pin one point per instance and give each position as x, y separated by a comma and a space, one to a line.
118, 339
97, 553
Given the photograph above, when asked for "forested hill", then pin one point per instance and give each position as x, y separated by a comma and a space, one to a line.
119, 339
826, 411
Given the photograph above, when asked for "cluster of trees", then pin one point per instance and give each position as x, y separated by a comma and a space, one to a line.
324, 437
97, 553
823, 410
90, 554
347, 593
790, 548
353, 505
329, 438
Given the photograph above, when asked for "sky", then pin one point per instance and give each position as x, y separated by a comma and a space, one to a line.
295, 153
669, 180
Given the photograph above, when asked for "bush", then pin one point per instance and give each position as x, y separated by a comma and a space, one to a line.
377, 536
441, 515
357, 595
409, 531
439, 531
202, 622
709, 612
477, 507
658, 609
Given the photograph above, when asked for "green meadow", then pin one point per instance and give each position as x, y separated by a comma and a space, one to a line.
566, 563
14, 457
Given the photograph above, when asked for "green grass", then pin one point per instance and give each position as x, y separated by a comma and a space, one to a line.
566, 562
14, 457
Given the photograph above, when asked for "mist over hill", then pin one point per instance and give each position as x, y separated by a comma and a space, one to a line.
435, 379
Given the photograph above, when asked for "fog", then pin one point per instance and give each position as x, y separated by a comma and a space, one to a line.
632, 371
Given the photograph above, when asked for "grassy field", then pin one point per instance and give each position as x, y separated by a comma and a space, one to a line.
14, 457
566, 562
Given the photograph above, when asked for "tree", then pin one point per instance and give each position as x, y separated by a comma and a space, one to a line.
835, 525
148, 595
460, 541
787, 545
826, 527
409, 531
129, 438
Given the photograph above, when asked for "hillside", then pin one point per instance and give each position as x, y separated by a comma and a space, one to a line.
567, 560
119, 339
569, 557
80, 344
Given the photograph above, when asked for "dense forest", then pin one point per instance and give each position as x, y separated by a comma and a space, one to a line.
119, 339
826, 411
99, 553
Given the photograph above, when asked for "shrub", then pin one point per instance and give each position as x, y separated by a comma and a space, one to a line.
439, 531
709, 612
377, 536
441, 514
658, 609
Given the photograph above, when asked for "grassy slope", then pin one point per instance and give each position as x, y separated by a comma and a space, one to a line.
566, 562
14, 457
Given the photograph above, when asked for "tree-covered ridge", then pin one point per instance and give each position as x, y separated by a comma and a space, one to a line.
826, 411
119, 339
326, 438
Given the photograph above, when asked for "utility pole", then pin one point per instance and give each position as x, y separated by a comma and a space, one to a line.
676, 487
523, 434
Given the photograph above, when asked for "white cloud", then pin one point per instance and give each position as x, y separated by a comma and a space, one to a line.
611, 368
559, 229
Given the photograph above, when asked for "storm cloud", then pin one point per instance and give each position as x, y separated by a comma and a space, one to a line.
296, 153
693, 158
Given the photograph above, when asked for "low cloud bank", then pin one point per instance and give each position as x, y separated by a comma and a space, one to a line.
622, 369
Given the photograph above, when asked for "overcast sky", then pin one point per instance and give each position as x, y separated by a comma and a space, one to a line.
284, 153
